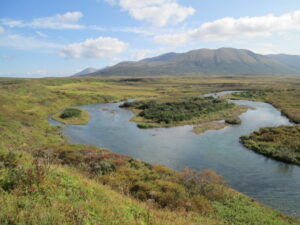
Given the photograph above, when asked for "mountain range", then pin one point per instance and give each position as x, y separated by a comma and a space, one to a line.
86, 71
223, 61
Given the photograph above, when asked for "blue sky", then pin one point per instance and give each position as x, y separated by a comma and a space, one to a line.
59, 38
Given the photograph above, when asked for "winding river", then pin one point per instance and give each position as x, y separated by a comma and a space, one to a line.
271, 182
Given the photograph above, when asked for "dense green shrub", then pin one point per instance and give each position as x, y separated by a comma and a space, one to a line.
70, 112
170, 112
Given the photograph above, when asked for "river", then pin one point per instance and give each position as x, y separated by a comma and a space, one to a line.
271, 182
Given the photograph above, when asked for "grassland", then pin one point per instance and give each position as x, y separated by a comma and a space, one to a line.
282, 143
44, 179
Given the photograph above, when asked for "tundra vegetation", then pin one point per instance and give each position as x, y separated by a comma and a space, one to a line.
282, 143
195, 110
44, 179
72, 115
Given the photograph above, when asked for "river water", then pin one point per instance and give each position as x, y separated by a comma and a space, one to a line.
271, 182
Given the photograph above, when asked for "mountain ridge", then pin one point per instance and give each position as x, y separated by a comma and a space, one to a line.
222, 61
86, 71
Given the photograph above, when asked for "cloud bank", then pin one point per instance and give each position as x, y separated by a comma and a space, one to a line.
59, 21
101, 47
156, 12
228, 27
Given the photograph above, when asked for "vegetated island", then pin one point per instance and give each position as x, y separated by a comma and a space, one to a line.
75, 116
281, 143
205, 113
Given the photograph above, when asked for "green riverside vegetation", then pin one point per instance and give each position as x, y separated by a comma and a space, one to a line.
75, 116
151, 114
44, 179
282, 143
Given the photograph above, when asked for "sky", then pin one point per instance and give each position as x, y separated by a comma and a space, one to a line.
42, 38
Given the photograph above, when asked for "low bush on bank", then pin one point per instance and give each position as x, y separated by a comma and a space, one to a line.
282, 143
188, 190
70, 112
76, 116
233, 120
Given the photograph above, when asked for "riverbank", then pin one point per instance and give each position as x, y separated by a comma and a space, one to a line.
281, 143
286, 100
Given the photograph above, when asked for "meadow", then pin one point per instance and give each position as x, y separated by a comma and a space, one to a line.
44, 179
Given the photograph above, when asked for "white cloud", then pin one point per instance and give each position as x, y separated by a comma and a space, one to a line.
59, 21
1, 29
128, 4
25, 43
157, 12
94, 48
228, 27
41, 34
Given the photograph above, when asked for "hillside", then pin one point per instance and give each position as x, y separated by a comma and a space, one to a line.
85, 71
223, 61
290, 60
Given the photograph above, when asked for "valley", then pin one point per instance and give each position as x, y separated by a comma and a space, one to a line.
29, 142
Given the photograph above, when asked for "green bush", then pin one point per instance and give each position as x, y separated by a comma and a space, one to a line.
102, 168
70, 112
282, 143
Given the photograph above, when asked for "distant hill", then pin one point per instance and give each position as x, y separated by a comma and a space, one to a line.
223, 61
290, 60
85, 71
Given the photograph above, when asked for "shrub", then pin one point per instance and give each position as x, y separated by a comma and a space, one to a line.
282, 143
70, 112
202, 205
102, 168
14, 176
233, 120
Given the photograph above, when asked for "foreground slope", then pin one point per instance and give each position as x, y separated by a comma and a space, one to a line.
46, 194
223, 61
